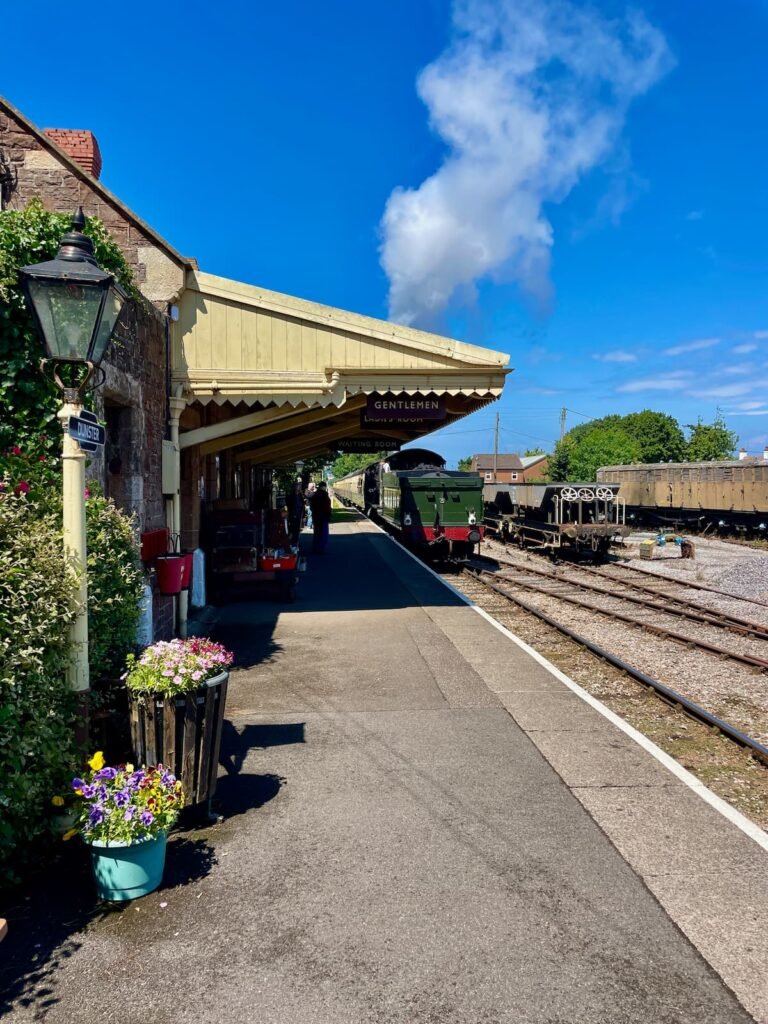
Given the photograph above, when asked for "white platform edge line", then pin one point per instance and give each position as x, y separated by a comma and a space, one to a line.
736, 818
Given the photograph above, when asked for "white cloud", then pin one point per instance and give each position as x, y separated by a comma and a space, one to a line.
691, 346
722, 391
743, 350
738, 368
529, 96
760, 334
744, 406
753, 412
673, 381
694, 215
616, 356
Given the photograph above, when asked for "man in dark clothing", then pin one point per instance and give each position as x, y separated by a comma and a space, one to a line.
295, 512
320, 503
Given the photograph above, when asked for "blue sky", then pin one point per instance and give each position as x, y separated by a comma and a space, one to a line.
584, 186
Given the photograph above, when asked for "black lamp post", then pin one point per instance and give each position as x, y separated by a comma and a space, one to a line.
76, 305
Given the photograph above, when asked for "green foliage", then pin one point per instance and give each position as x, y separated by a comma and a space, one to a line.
28, 401
529, 452
658, 435
465, 464
710, 441
645, 436
115, 585
352, 461
37, 753
285, 476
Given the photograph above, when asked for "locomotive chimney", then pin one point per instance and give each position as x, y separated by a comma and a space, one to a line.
742, 454
765, 453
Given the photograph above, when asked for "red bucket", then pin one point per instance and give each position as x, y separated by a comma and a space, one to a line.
189, 560
170, 573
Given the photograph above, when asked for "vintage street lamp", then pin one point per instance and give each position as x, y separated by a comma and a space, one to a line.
76, 306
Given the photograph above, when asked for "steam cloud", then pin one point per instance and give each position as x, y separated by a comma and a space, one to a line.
529, 96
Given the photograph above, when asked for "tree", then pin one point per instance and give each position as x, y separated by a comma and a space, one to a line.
465, 464
608, 447
710, 441
349, 463
658, 435
530, 452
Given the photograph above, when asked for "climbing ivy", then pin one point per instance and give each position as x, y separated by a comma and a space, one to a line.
28, 401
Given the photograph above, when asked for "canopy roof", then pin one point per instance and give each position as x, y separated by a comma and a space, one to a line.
290, 377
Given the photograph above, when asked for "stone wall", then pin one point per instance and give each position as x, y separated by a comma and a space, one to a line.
134, 397
34, 168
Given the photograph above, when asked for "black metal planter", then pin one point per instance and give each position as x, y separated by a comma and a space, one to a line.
183, 733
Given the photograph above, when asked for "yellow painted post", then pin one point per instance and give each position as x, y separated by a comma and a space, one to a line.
75, 548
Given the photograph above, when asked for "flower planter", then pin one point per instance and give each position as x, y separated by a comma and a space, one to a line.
125, 871
189, 561
184, 734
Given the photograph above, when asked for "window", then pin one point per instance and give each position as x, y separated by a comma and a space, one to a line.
489, 476
514, 476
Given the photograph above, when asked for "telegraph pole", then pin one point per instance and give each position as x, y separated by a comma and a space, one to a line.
562, 422
496, 448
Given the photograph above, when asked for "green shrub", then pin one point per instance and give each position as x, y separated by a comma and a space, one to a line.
115, 584
37, 751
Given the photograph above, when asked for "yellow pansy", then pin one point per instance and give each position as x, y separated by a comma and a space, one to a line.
97, 762
57, 801
129, 768
69, 833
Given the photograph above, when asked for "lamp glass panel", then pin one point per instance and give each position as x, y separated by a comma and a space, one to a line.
67, 312
112, 306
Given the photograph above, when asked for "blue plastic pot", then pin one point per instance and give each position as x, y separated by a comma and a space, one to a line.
125, 871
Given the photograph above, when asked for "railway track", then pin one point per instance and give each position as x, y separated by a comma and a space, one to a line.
564, 585
665, 693
662, 585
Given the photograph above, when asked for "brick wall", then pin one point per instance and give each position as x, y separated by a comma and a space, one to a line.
36, 170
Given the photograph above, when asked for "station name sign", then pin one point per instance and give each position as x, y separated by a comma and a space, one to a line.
367, 445
87, 431
391, 408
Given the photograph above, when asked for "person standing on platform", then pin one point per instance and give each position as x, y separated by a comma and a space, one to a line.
320, 504
309, 494
295, 512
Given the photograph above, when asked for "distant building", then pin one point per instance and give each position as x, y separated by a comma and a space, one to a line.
509, 468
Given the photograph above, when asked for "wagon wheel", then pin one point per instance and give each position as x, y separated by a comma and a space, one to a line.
605, 494
585, 494
569, 494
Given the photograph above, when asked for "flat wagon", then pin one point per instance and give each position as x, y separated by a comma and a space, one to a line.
555, 517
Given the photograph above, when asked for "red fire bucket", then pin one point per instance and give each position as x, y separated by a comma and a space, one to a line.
170, 573
189, 559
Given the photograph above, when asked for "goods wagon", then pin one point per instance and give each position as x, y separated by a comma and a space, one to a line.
566, 518
425, 505
709, 496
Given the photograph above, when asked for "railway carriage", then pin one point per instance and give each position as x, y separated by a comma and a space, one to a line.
556, 517
709, 496
428, 507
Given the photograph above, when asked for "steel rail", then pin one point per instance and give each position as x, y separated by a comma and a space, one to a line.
721, 652
664, 692
689, 611
675, 582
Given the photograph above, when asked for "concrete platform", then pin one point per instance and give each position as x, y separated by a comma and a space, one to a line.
423, 823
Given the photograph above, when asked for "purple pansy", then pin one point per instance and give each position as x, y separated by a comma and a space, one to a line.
97, 815
146, 818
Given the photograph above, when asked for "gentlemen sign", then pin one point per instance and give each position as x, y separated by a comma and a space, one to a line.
402, 410
391, 408
87, 431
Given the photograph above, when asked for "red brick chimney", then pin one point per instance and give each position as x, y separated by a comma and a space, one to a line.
80, 145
